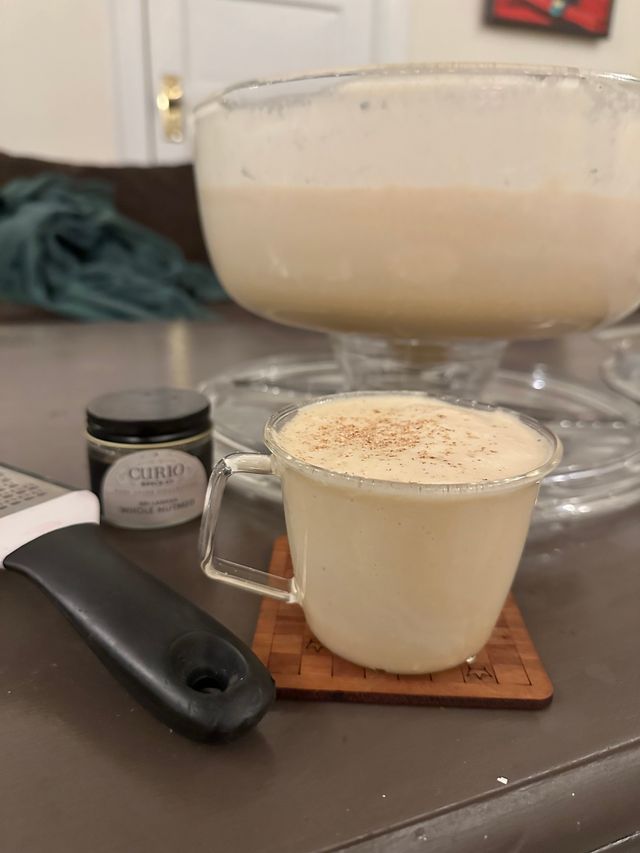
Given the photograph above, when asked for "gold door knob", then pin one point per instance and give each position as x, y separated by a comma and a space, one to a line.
169, 103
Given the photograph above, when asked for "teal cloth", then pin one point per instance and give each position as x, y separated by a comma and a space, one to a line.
64, 247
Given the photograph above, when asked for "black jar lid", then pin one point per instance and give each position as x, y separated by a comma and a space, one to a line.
148, 415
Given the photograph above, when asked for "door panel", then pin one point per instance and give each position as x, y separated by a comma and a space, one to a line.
252, 38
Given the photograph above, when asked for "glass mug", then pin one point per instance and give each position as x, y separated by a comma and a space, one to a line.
402, 577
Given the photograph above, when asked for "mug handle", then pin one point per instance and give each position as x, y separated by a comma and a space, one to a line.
234, 574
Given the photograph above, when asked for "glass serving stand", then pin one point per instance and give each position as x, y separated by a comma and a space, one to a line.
621, 370
423, 216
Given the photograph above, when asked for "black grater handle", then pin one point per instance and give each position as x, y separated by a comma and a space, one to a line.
183, 665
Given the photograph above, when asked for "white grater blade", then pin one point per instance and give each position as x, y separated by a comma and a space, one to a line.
19, 490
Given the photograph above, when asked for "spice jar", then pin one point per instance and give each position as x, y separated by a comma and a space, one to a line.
149, 455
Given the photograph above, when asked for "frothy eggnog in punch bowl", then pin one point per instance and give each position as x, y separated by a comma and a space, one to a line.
443, 202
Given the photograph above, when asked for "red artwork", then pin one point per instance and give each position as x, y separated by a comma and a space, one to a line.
584, 17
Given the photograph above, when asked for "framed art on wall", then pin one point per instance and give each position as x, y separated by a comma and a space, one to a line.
579, 17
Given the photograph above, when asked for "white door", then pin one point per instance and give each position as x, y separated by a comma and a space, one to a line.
209, 44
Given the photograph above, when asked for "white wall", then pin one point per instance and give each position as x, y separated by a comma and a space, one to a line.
56, 94
443, 30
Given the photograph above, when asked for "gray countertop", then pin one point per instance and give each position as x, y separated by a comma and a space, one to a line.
85, 768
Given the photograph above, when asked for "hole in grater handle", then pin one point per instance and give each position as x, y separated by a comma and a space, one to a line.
208, 681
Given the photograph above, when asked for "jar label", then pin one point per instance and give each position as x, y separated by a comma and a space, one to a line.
153, 488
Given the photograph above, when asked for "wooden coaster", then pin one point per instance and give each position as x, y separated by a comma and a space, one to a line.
507, 673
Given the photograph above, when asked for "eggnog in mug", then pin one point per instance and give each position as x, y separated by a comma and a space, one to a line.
406, 516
